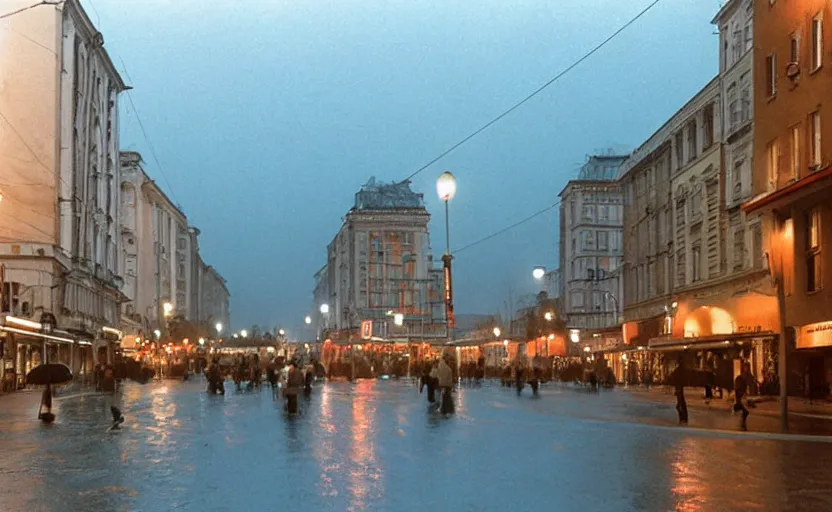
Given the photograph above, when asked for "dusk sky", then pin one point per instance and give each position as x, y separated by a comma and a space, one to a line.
267, 116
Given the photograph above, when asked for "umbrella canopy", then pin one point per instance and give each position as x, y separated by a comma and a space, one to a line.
52, 373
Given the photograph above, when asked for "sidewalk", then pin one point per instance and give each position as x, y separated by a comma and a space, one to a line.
764, 405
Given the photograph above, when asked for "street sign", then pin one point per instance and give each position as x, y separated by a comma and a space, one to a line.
367, 329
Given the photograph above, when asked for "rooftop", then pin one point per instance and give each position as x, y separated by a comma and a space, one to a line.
381, 196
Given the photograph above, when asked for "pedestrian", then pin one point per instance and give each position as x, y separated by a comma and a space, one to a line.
426, 381
681, 404
294, 383
445, 377
45, 411
308, 377
740, 390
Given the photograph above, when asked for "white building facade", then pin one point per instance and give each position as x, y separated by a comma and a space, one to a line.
591, 252
59, 238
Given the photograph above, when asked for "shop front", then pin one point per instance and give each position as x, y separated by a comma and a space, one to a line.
27, 344
813, 360
720, 329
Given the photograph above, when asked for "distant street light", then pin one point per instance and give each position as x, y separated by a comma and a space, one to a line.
281, 332
244, 333
324, 309
497, 332
218, 327
549, 316
574, 335
201, 341
158, 333
539, 272
308, 319
167, 308
398, 319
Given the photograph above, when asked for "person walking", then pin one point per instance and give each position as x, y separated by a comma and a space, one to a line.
679, 378
740, 390
294, 383
45, 412
427, 382
445, 376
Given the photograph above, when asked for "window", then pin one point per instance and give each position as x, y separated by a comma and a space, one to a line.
794, 167
749, 36
696, 204
736, 179
692, 142
737, 45
745, 97
813, 270
577, 300
817, 42
680, 150
587, 241
794, 48
588, 213
708, 127
773, 164
757, 246
771, 75
733, 105
603, 213
696, 263
814, 139
739, 249
603, 240
590, 274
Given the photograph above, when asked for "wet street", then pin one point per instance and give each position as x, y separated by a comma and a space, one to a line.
374, 446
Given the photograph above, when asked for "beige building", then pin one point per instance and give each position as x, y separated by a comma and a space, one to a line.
59, 239
379, 265
161, 260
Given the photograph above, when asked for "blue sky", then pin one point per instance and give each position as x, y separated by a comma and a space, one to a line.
267, 116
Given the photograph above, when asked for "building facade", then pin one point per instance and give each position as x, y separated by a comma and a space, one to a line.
792, 176
214, 296
161, 260
591, 252
379, 265
59, 161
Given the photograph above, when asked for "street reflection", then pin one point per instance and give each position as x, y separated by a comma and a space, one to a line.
365, 472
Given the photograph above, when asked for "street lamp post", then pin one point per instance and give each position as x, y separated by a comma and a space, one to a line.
446, 189
325, 315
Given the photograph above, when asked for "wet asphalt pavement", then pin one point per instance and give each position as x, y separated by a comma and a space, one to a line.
374, 446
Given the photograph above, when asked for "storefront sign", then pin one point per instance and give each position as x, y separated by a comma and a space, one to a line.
815, 335
367, 329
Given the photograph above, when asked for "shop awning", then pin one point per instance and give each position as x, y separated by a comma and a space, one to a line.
664, 344
53, 337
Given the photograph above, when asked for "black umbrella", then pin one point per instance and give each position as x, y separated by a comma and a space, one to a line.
52, 373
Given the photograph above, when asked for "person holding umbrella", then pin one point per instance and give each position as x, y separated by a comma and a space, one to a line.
48, 375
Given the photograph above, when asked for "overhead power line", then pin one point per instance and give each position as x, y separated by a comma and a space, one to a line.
9, 14
146, 138
508, 228
536, 91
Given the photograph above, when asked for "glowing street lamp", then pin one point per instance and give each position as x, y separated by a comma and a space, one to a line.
446, 190
324, 309
308, 319
158, 333
398, 319
218, 327
497, 332
574, 335
549, 316
539, 272
244, 333
201, 341
281, 332
167, 308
